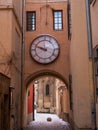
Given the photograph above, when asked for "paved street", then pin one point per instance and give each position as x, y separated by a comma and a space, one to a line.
41, 123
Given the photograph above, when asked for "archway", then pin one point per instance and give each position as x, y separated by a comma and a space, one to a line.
45, 73
48, 103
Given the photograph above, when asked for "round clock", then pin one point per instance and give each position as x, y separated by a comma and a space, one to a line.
44, 49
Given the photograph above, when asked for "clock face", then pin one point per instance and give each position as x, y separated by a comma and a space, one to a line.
44, 49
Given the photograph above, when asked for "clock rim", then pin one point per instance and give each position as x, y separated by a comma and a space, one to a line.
47, 58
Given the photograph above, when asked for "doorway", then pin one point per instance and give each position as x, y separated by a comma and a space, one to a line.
48, 95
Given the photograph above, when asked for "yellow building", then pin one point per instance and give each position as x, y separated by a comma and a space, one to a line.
10, 58
60, 40
46, 95
40, 25
81, 66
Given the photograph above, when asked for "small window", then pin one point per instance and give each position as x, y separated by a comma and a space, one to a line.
97, 91
96, 71
97, 52
31, 21
47, 90
11, 91
58, 22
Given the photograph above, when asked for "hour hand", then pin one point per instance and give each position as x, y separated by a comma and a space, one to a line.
42, 48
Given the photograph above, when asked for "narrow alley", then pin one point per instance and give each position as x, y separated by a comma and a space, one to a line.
48, 64
41, 123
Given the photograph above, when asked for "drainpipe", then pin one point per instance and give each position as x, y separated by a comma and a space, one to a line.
22, 62
89, 28
90, 49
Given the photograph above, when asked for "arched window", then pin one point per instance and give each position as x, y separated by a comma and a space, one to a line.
47, 90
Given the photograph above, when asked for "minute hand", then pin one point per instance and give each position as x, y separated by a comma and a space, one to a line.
44, 49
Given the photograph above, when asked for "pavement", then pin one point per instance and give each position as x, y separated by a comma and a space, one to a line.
41, 123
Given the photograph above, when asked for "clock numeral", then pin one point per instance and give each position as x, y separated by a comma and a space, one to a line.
55, 45
35, 42
47, 60
33, 53
56, 52
32, 49
41, 60
52, 58
36, 57
47, 38
41, 39
33, 46
51, 40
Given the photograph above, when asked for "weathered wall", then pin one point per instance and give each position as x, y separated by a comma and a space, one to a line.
18, 10
5, 2
10, 58
46, 103
94, 16
16, 5
5, 40
4, 102
16, 70
80, 66
62, 61
42, 28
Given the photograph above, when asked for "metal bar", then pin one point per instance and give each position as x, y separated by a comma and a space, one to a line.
89, 28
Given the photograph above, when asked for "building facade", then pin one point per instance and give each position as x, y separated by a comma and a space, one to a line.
46, 43
10, 58
60, 40
94, 15
82, 91
82, 70
46, 95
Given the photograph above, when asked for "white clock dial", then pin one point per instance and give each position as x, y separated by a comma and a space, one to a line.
44, 49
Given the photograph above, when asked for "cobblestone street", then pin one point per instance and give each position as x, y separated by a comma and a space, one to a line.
41, 123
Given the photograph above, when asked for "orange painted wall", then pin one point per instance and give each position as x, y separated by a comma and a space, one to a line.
30, 100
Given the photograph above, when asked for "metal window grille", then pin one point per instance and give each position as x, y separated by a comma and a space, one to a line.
58, 21
31, 21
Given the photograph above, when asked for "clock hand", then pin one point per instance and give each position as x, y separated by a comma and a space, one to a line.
44, 49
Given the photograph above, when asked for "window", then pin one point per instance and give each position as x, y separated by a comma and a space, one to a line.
96, 70
31, 21
58, 20
47, 90
97, 52
11, 91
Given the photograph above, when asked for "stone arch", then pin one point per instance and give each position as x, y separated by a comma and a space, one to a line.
33, 77
38, 74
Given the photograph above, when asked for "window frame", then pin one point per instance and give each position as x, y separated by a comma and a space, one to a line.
58, 29
27, 20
